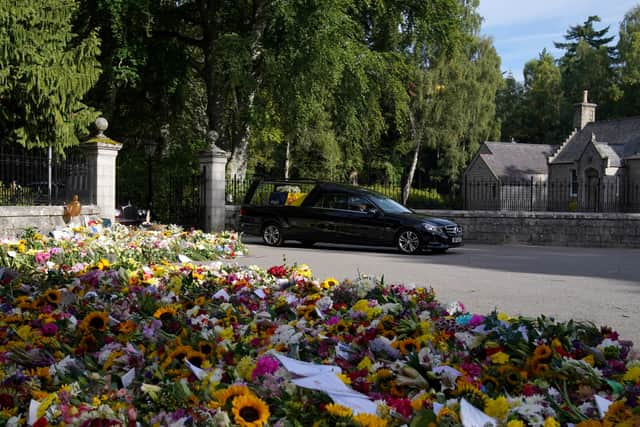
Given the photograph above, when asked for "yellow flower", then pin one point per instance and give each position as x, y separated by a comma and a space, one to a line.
165, 313
497, 408
303, 270
632, 374
504, 317
344, 378
515, 423
365, 363
551, 422
329, 283
369, 420
230, 393
250, 411
589, 359
96, 320
499, 358
103, 264
245, 368
53, 296
338, 410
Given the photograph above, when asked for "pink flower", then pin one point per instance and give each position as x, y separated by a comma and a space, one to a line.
265, 365
42, 257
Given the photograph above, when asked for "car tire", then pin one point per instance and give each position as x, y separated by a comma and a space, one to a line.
272, 234
408, 241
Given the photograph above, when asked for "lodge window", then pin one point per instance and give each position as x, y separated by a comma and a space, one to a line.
574, 182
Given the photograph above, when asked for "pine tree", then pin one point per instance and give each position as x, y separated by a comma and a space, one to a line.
44, 73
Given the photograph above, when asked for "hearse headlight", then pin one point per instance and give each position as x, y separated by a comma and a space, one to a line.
432, 228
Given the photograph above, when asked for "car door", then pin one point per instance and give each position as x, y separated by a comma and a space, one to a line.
362, 222
326, 212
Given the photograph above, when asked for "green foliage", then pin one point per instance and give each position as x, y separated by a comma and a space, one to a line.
543, 95
588, 65
45, 71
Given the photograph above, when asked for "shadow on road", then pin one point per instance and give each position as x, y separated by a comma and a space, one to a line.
607, 263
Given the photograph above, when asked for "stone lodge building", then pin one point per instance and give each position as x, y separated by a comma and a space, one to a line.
597, 168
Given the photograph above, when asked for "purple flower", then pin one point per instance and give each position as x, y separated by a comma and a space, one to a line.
49, 329
265, 365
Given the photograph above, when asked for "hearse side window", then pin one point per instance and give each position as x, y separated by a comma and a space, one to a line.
331, 201
359, 203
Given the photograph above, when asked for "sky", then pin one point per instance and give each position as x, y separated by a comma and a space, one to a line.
521, 29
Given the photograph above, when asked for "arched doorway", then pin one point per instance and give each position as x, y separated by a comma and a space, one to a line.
592, 190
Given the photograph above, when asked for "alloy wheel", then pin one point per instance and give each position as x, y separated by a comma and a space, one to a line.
271, 235
409, 242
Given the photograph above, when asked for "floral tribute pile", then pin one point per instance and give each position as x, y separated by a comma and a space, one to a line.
113, 335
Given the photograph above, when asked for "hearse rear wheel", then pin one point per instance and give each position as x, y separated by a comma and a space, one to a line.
272, 235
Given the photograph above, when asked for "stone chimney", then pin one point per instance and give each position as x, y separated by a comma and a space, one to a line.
584, 112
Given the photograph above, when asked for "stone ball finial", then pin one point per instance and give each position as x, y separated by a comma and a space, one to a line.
101, 125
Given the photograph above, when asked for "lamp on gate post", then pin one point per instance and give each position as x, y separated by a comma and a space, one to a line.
149, 152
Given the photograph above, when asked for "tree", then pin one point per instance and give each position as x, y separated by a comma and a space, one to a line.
586, 33
542, 101
588, 65
509, 99
45, 71
629, 62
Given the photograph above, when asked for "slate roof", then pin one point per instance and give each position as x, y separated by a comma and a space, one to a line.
622, 136
517, 160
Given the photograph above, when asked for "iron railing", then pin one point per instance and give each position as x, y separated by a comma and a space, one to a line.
608, 194
27, 177
236, 189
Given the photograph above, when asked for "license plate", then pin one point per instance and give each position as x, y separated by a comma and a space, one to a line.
456, 239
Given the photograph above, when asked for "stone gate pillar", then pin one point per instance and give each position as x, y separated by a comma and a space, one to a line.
101, 153
213, 163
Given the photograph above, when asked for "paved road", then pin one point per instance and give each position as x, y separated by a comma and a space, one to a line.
597, 284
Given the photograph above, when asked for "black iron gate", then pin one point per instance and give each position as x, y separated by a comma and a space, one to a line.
185, 201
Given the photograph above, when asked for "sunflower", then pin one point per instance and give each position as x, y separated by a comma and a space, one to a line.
337, 410
53, 296
165, 313
472, 394
329, 283
230, 393
24, 302
511, 375
540, 369
617, 412
340, 328
369, 420
542, 352
384, 379
207, 348
179, 353
447, 415
250, 411
196, 358
407, 345
96, 321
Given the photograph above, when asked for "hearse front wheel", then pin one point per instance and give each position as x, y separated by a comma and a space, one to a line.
272, 235
408, 242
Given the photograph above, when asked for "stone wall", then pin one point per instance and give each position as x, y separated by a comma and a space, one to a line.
547, 228
14, 219
534, 228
